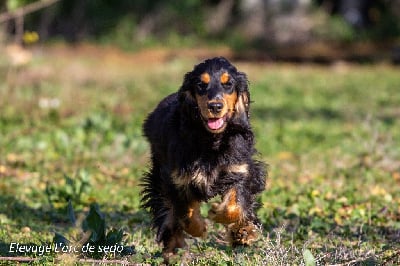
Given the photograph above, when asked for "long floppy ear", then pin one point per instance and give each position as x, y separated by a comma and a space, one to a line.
185, 91
242, 106
185, 97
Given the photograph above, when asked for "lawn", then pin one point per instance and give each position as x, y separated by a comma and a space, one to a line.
72, 154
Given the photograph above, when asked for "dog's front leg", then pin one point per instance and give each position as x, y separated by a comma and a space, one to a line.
192, 222
236, 212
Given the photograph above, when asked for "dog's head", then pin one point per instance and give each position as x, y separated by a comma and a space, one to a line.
219, 92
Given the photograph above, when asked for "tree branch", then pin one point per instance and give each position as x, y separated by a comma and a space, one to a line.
24, 10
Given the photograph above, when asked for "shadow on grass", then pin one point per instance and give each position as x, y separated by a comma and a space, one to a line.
28, 224
17, 216
23, 215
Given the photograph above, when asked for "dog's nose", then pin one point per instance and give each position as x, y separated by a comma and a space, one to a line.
215, 107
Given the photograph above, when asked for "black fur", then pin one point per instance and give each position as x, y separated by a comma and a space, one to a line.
180, 142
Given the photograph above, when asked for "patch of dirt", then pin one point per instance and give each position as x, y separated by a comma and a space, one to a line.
88, 63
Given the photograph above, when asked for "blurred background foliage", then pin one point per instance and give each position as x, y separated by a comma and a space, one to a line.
242, 24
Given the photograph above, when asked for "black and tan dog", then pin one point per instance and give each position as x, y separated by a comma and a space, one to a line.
202, 146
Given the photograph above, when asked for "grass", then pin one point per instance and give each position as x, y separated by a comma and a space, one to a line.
70, 136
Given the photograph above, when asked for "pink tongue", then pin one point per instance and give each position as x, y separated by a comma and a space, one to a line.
215, 123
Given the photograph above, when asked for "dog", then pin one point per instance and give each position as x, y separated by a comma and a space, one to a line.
202, 146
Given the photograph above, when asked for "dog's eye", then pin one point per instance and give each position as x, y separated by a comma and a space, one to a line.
228, 86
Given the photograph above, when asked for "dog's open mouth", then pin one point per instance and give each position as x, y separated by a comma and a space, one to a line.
216, 123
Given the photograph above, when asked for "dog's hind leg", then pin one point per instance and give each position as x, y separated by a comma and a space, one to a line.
169, 229
156, 198
170, 233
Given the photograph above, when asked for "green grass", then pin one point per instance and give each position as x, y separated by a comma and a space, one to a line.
329, 134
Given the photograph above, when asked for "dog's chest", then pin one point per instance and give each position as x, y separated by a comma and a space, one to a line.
196, 176
205, 178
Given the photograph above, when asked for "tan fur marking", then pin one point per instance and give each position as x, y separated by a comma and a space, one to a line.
198, 178
224, 78
238, 168
230, 101
194, 224
202, 102
205, 78
242, 103
190, 212
233, 210
228, 211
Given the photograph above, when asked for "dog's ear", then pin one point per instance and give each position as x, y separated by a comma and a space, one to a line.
186, 98
242, 106
185, 92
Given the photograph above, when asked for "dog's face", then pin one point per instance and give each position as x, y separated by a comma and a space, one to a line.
219, 91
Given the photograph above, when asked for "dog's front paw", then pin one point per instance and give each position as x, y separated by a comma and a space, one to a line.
242, 234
